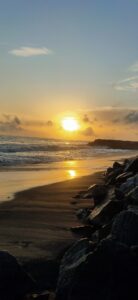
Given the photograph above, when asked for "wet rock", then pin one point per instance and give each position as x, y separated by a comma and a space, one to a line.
123, 177
83, 214
111, 178
79, 195
97, 192
105, 213
110, 272
132, 196
119, 194
15, 283
132, 165
84, 231
70, 265
117, 165
125, 227
43, 296
130, 184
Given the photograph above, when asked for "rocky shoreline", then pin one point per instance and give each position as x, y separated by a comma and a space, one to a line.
103, 262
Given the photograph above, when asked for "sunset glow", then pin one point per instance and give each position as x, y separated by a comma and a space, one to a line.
70, 124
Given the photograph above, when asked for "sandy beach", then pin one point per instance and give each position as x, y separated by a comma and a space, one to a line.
36, 224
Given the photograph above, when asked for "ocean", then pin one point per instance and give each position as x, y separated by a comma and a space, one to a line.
27, 162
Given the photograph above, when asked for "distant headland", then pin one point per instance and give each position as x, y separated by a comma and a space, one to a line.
115, 144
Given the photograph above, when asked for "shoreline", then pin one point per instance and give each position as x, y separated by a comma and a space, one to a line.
16, 179
36, 223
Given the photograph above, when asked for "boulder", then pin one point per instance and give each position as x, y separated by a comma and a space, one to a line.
83, 214
130, 183
125, 227
83, 231
111, 178
96, 191
15, 283
132, 165
117, 165
110, 272
70, 265
123, 177
132, 196
105, 213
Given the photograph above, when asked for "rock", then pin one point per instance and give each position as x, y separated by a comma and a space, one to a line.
132, 165
105, 213
117, 165
132, 196
110, 272
111, 178
84, 231
43, 296
123, 177
70, 265
97, 192
130, 184
15, 283
119, 194
104, 231
83, 214
125, 227
79, 195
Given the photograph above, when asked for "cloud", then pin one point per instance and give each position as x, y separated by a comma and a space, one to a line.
38, 123
29, 51
134, 67
10, 123
131, 117
86, 119
113, 115
87, 132
127, 84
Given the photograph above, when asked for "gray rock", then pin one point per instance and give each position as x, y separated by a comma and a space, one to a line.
131, 183
97, 192
132, 165
83, 231
110, 272
83, 214
123, 177
125, 227
132, 196
15, 283
70, 265
105, 213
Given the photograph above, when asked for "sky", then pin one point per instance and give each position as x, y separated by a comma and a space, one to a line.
61, 58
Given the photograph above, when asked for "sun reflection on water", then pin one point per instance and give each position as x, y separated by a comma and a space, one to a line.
72, 173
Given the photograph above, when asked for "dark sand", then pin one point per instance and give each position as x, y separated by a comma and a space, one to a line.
36, 223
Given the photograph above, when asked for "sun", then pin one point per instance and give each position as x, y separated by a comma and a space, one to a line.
70, 124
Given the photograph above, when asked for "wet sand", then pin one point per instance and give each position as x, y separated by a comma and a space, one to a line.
36, 223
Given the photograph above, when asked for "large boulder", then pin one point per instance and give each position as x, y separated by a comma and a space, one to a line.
130, 184
125, 227
132, 165
96, 191
132, 196
110, 272
70, 266
82, 214
15, 283
105, 213
123, 177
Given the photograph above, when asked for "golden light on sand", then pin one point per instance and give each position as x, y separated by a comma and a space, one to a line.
72, 173
70, 124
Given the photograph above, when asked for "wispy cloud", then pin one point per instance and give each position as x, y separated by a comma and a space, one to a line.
127, 84
10, 123
30, 51
88, 132
134, 67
